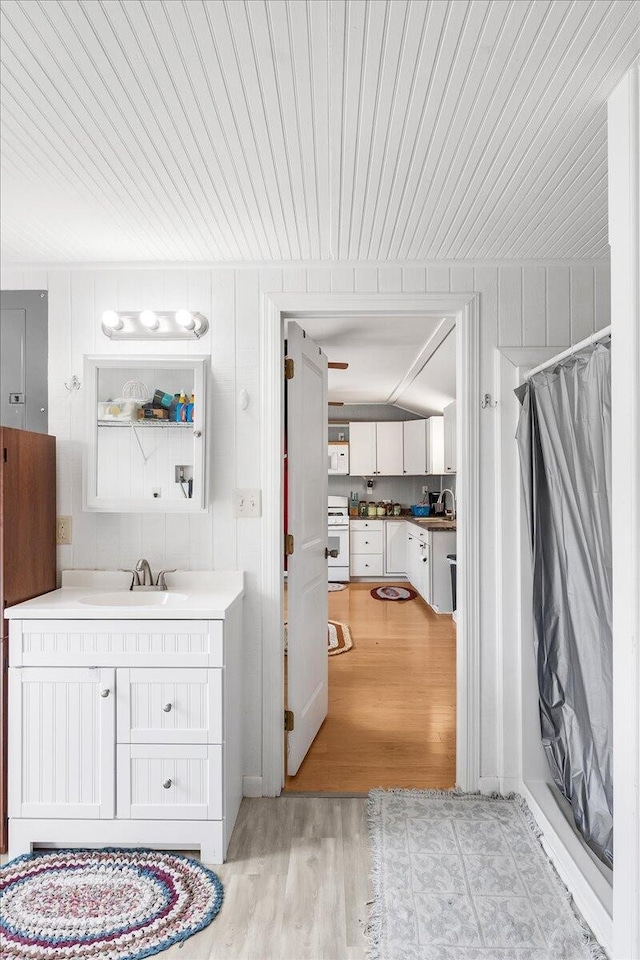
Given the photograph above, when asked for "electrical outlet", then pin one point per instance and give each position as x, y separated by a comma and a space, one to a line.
425, 490
247, 503
63, 531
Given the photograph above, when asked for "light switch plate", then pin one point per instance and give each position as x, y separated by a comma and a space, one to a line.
63, 531
247, 503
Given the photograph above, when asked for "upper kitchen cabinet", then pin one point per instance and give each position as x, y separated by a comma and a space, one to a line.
424, 446
146, 434
376, 449
450, 438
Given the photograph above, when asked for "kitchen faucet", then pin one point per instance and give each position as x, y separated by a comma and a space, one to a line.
146, 583
441, 499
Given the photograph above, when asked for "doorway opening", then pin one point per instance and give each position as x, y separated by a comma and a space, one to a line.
278, 308
391, 713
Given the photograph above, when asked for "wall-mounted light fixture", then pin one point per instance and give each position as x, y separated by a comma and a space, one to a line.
153, 324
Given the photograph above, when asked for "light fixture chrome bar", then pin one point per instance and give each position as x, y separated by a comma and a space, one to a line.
153, 325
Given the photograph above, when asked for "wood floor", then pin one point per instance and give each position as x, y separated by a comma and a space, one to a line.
295, 884
392, 700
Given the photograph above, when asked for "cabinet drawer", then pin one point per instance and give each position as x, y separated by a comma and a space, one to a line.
366, 541
366, 565
169, 782
370, 525
169, 706
178, 643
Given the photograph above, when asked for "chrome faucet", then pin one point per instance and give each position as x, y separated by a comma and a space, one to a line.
142, 567
441, 499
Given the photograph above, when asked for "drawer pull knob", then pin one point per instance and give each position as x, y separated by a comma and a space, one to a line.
167, 783
105, 692
167, 708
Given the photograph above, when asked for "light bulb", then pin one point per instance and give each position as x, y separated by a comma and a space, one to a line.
111, 319
148, 319
184, 318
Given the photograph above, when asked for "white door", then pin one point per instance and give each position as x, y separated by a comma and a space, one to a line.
307, 662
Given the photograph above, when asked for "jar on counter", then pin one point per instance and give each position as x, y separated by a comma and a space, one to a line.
372, 510
381, 510
388, 508
363, 508
397, 509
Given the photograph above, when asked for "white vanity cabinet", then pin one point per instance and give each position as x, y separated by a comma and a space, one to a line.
126, 731
138, 464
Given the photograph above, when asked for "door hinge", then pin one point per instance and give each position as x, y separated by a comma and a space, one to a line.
289, 368
288, 721
289, 544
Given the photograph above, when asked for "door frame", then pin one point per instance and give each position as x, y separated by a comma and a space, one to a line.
275, 309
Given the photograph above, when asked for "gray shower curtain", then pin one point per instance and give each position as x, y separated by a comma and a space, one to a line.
564, 440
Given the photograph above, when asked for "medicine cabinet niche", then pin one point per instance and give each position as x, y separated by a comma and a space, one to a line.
146, 423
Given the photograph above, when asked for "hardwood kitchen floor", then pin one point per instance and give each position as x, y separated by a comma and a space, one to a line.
392, 700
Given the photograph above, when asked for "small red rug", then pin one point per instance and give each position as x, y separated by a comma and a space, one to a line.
393, 593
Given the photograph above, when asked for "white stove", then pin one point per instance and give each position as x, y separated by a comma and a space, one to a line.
338, 525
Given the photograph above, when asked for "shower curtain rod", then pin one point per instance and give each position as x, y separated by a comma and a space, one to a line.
594, 338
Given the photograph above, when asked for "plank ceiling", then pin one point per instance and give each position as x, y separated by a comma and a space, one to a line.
244, 130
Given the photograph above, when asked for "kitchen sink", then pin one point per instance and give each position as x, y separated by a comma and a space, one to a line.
133, 598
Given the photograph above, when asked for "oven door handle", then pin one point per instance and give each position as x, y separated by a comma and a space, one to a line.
330, 553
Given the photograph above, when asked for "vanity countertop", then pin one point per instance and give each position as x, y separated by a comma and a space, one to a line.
95, 594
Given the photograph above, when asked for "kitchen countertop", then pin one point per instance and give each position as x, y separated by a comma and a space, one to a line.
436, 524
191, 595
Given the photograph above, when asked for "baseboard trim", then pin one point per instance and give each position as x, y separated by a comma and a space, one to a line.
592, 892
252, 786
489, 784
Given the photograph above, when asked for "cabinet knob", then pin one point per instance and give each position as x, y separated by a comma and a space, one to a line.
167, 708
424, 559
167, 783
105, 692
197, 433
367, 542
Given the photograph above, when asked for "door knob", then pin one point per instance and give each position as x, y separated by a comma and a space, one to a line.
330, 553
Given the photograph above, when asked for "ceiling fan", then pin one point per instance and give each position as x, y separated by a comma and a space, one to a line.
335, 365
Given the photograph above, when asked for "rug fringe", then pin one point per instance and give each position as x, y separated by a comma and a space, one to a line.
373, 928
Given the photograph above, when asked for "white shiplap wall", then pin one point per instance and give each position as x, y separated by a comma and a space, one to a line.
528, 304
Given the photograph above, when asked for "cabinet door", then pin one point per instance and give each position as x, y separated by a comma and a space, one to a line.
395, 555
450, 438
62, 742
423, 585
390, 448
169, 706
362, 449
415, 447
435, 445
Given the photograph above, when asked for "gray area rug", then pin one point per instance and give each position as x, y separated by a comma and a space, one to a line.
464, 877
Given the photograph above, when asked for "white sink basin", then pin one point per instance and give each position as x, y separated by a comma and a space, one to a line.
134, 598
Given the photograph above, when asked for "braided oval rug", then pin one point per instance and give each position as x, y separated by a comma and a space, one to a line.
103, 904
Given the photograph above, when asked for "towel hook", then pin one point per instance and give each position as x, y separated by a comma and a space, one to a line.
73, 384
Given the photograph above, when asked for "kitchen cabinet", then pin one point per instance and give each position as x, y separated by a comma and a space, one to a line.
427, 566
395, 548
450, 438
415, 447
376, 449
126, 730
362, 449
424, 446
366, 548
338, 458
435, 445
145, 465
